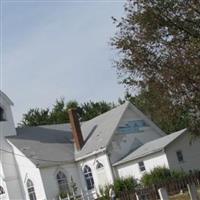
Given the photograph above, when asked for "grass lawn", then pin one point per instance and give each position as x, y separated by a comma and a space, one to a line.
184, 196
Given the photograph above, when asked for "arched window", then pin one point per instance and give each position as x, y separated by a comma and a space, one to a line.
88, 177
2, 117
62, 182
31, 190
2, 190
99, 165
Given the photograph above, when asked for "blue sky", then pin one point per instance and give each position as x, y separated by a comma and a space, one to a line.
53, 49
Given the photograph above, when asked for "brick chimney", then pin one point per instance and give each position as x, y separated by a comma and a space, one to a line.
76, 129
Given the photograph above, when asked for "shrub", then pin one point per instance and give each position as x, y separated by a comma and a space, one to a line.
104, 192
63, 195
178, 174
161, 174
119, 186
124, 184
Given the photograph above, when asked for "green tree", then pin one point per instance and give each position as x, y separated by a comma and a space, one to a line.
35, 117
91, 109
159, 46
159, 110
59, 113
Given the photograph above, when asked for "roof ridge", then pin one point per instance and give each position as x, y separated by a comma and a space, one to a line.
109, 111
41, 126
167, 136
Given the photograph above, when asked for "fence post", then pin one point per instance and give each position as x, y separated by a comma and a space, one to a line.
137, 197
68, 197
192, 192
163, 194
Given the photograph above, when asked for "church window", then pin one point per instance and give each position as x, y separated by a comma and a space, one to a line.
31, 190
62, 182
88, 177
99, 165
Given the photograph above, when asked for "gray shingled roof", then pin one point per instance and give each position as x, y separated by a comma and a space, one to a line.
98, 131
47, 143
44, 144
151, 147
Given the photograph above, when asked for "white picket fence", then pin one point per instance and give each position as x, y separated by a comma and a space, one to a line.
83, 196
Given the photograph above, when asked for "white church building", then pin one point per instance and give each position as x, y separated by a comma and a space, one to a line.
39, 163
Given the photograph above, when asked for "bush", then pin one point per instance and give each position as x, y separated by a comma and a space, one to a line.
178, 174
125, 184
119, 186
104, 192
159, 175
63, 195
